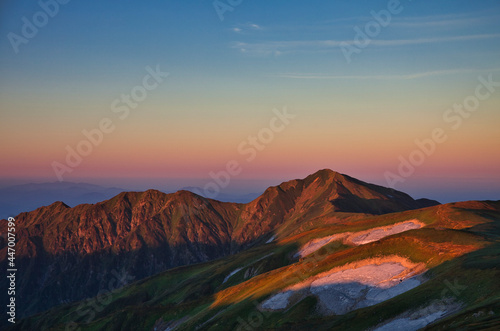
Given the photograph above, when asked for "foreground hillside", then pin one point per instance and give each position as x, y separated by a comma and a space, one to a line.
435, 267
139, 234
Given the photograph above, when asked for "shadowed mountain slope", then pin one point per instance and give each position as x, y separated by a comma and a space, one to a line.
454, 255
148, 232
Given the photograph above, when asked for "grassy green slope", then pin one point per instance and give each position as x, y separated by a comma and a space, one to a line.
198, 296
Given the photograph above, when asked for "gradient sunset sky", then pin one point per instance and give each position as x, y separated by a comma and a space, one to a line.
225, 78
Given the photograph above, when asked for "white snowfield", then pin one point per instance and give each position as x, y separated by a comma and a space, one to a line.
360, 237
235, 271
408, 324
420, 318
278, 301
231, 274
315, 244
368, 236
361, 284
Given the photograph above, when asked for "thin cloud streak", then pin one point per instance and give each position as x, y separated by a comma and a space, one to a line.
464, 19
436, 23
386, 77
273, 46
420, 22
247, 27
442, 21
399, 42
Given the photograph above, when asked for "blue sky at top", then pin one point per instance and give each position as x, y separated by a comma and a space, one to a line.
226, 76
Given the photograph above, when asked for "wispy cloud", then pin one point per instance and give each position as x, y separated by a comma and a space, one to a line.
430, 22
314, 45
255, 26
447, 21
247, 27
399, 42
385, 77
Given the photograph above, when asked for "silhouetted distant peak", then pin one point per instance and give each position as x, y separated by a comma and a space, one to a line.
428, 202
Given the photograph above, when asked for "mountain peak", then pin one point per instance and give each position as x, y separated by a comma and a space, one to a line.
327, 188
59, 204
326, 173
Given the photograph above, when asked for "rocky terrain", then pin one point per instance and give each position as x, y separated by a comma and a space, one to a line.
139, 234
300, 256
434, 267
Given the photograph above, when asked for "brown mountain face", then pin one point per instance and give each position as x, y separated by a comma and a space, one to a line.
323, 197
65, 254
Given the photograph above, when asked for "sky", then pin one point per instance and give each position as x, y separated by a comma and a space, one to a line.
234, 96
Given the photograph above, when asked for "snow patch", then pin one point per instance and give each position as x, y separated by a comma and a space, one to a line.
239, 269
271, 239
365, 237
408, 324
231, 274
315, 244
364, 284
360, 237
278, 301
415, 320
347, 290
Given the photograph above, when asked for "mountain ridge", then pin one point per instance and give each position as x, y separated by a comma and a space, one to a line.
151, 231
453, 249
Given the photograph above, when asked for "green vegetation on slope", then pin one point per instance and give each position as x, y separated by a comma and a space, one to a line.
198, 297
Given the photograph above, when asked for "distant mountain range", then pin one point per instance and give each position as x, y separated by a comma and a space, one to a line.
27, 197
224, 197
